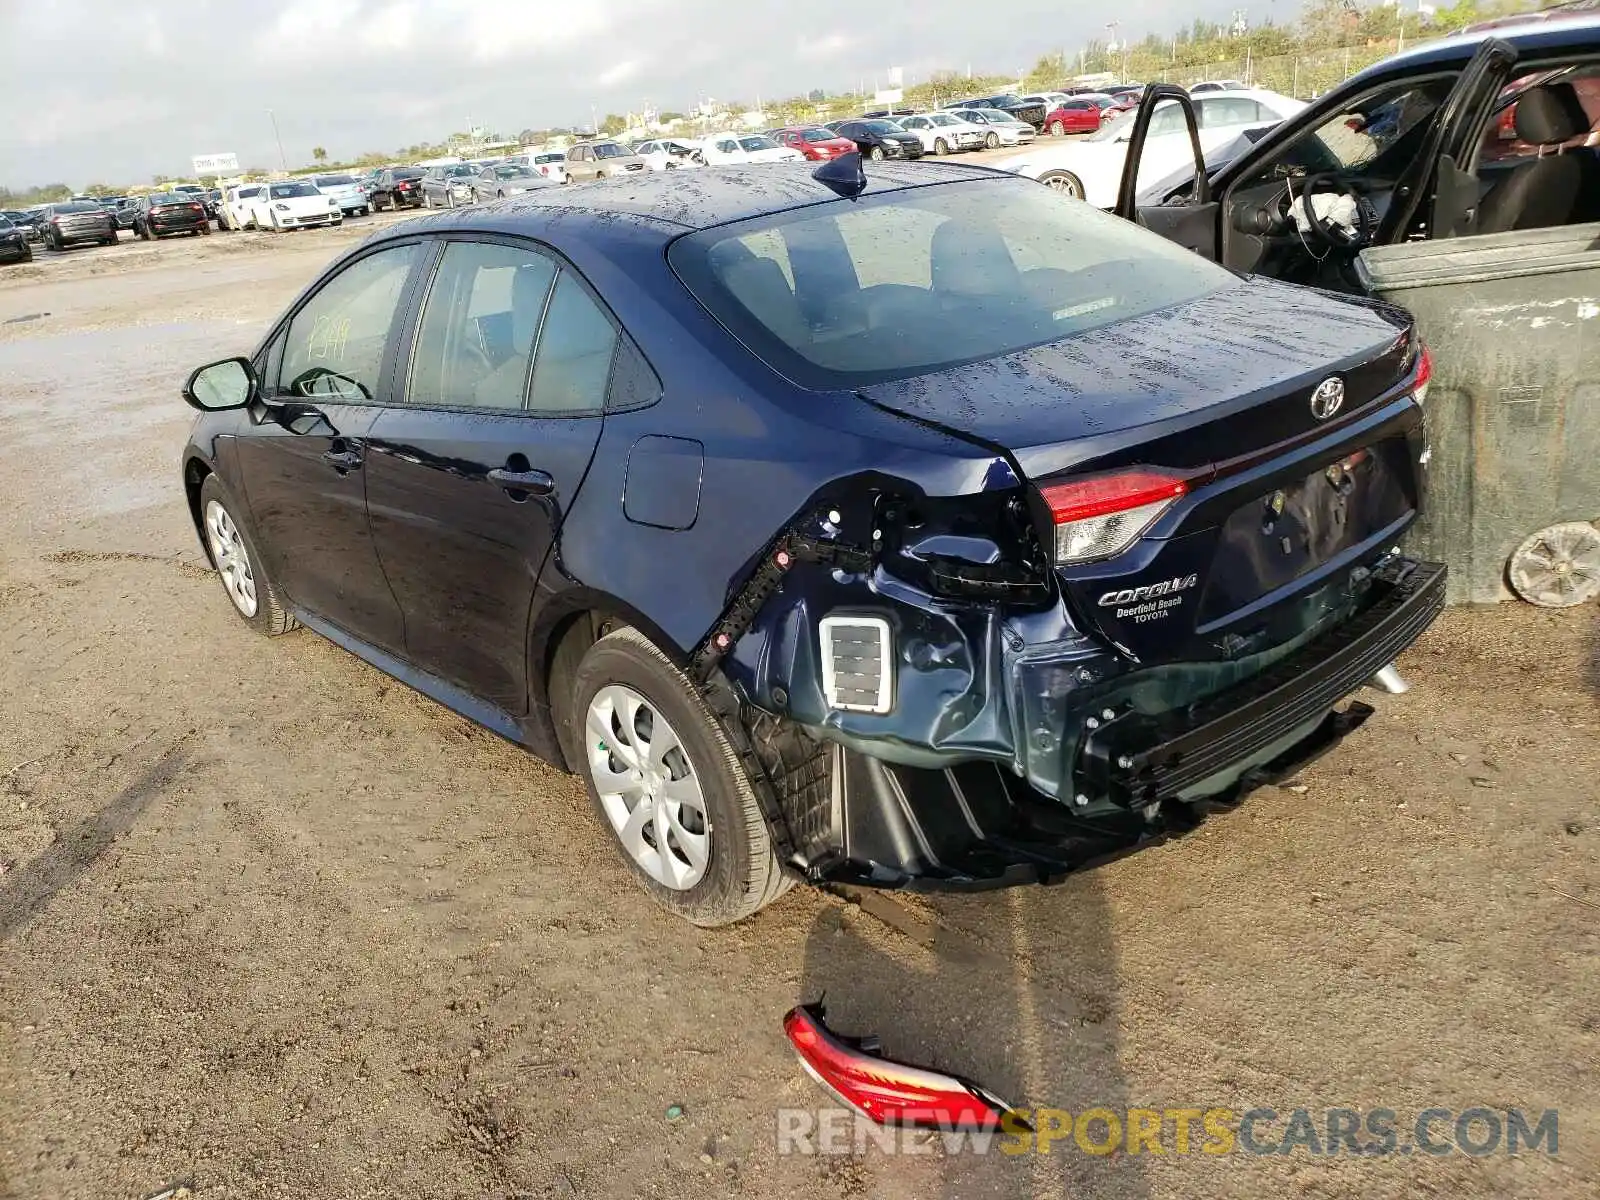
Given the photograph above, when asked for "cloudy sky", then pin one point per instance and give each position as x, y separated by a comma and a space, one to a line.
115, 90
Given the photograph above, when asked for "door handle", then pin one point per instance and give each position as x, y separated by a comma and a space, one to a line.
343, 460
534, 483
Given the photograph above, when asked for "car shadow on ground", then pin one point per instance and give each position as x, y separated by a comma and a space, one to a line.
1015, 990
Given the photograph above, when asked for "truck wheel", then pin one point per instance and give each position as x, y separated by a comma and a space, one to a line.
1558, 567
668, 784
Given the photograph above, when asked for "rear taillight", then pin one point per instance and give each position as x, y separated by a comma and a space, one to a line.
1419, 386
1101, 515
888, 1092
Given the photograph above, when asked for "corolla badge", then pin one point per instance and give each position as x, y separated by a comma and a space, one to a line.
1328, 398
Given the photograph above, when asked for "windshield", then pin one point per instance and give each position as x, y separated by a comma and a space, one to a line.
758, 143
850, 293
610, 150
282, 191
943, 119
820, 135
335, 180
881, 126
459, 170
558, 156
514, 172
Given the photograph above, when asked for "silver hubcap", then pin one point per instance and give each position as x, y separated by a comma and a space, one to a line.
1061, 183
648, 788
227, 548
1558, 567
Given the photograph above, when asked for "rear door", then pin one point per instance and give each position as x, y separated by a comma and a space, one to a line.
502, 389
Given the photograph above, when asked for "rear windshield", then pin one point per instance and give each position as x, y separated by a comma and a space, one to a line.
281, 191
335, 180
408, 173
514, 171
847, 293
78, 206
160, 198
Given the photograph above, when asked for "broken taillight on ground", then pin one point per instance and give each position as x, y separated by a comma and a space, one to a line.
889, 1093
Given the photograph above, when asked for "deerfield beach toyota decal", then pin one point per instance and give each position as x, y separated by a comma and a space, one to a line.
1153, 602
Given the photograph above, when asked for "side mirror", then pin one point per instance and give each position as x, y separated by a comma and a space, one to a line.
220, 386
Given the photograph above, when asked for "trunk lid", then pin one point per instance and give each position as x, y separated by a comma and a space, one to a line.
1280, 503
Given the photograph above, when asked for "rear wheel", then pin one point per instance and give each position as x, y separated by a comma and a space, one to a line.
992, 141
254, 596
876, 154
1063, 181
940, 146
667, 782
1057, 129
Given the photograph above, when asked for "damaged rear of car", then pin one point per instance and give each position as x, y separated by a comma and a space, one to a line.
1178, 561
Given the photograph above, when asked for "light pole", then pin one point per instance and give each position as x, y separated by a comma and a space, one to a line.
283, 159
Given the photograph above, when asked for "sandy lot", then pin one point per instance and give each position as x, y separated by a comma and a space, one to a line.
272, 925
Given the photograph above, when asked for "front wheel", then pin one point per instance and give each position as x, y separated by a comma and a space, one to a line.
876, 154
992, 142
667, 782
1064, 182
940, 146
254, 596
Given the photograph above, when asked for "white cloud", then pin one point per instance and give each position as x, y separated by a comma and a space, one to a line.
618, 73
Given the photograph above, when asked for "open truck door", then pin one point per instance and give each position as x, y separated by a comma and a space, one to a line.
1378, 188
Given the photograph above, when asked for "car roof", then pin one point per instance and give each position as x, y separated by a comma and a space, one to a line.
677, 202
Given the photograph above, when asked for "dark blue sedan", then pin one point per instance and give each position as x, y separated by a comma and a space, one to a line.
943, 532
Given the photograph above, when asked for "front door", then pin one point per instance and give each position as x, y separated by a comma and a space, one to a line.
469, 476
303, 463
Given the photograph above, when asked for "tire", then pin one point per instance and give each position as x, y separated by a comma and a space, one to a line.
27, 253
1064, 182
205, 230
992, 142
394, 202
1056, 129
271, 615
940, 146
740, 873
876, 154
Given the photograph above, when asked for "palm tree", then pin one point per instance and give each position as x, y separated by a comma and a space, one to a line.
320, 154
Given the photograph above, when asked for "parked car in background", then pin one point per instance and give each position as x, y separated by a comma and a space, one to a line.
552, 164
944, 132
14, 245
507, 179
293, 204
347, 190
1219, 85
1030, 113
880, 138
77, 221
236, 205
395, 188
721, 149
161, 213
448, 186
816, 142
601, 160
1049, 99
28, 220
1079, 114
124, 212
537, 484
668, 154
1090, 168
1000, 128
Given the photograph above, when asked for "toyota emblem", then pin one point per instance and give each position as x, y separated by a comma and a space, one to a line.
1328, 398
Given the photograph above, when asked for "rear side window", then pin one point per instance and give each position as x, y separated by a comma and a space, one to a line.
478, 328
572, 367
334, 346
849, 293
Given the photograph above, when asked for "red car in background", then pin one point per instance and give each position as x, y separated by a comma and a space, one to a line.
813, 141
1080, 114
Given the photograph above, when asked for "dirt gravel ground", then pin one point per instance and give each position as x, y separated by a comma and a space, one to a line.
272, 925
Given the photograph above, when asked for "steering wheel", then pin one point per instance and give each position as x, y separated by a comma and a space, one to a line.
1336, 236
